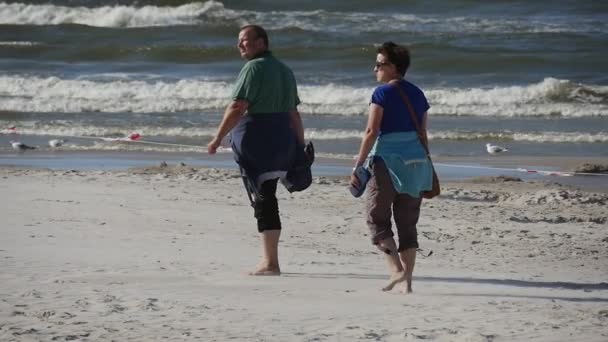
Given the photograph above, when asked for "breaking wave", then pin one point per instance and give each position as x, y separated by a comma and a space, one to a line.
215, 13
550, 97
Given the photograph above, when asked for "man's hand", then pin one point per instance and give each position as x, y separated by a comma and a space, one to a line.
213, 145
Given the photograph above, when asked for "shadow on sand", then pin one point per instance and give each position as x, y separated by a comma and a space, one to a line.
587, 287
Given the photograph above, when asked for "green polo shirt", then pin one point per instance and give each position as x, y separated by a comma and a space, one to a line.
268, 85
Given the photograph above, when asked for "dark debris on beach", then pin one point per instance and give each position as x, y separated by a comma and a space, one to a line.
592, 168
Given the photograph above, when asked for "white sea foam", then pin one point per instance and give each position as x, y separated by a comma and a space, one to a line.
551, 97
108, 16
537, 137
200, 146
324, 21
318, 21
64, 128
18, 43
52, 94
334, 99
132, 146
69, 129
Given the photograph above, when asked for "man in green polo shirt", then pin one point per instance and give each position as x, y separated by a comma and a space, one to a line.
267, 85
266, 131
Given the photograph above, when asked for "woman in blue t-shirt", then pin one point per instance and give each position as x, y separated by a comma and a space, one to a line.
400, 169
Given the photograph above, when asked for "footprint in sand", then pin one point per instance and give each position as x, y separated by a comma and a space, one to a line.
82, 303
150, 305
70, 337
20, 332
44, 315
116, 308
67, 315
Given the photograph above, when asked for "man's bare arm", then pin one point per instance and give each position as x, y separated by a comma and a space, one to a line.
232, 115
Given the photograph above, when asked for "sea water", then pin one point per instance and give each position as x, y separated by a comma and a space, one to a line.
522, 74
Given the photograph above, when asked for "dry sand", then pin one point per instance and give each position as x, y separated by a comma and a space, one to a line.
161, 254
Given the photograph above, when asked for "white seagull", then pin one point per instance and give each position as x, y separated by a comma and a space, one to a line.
494, 149
21, 147
57, 142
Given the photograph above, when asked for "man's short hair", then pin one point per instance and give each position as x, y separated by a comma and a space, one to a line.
398, 55
259, 33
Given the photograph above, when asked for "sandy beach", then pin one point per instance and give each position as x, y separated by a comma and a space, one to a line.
161, 254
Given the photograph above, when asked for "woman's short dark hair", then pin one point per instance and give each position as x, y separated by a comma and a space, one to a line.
259, 32
398, 55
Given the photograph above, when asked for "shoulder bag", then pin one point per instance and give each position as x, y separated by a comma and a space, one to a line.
436, 190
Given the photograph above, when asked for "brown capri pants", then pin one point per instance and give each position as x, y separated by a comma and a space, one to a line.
382, 198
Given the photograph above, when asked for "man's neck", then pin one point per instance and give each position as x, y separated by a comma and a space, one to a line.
260, 54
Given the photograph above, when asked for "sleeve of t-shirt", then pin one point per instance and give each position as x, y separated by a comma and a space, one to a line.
379, 97
295, 91
423, 103
247, 84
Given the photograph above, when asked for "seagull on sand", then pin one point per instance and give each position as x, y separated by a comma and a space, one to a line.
21, 147
57, 142
494, 149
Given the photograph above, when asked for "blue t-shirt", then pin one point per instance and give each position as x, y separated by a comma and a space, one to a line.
396, 117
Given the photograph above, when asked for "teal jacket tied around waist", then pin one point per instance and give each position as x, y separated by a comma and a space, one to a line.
406, 160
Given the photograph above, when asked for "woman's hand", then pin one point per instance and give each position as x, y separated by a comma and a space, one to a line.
354, 181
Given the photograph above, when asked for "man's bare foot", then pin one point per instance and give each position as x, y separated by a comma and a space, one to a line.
396, 278
266, 271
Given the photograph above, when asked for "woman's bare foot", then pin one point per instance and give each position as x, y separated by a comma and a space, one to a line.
266, 271
396, 278
406, 286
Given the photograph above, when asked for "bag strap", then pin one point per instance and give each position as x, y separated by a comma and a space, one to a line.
413, 115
